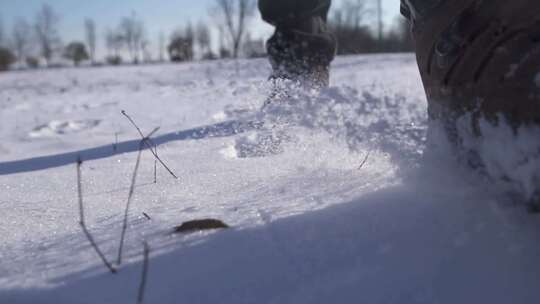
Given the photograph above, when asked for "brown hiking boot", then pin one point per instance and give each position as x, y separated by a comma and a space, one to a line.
480, 57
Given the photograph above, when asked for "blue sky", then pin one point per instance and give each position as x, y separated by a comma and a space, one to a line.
158, 15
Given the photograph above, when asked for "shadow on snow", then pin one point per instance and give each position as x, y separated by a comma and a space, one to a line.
223, 129
407, 244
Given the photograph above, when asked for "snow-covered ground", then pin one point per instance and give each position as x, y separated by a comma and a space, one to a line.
348, 209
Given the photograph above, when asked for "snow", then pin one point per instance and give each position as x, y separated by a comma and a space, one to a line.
511, 158
311, 222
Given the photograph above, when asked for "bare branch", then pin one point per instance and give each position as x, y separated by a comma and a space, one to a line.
155, 166
126, 212
133, 33
90, 29
365, 160
203, 37
79, 190
152, 133
83, 224
144, 275
146, 142
21, 39
98, 251
46, 31
115, 145
1, 32
234, 14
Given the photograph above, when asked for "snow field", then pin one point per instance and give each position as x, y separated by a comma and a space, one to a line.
311, 224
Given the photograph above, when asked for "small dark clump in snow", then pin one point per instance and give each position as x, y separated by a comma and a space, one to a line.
199, 225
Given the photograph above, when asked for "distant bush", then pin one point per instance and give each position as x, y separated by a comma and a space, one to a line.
6, 59
209, 56
76, 51
354, 40
181, 49
32, 62
224, 53
114, 60
56, 65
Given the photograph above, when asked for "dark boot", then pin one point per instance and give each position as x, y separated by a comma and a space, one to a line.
302, 47
480, 57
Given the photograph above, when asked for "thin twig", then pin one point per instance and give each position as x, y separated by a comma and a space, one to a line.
83, 224
153, 132
142, 286
365, 160
155, 166
146, 142
126, 212
151, 142
79, 190
115, 146
96, 248
154, 145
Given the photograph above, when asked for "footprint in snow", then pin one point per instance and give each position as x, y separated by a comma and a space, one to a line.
57, 127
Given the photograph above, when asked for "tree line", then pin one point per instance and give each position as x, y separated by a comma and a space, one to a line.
358, 27
30, 45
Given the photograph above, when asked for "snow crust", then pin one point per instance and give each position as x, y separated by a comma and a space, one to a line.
510, 158
354, 204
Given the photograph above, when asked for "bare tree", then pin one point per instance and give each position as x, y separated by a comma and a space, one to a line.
190, 33
203, 38
253, 48
90, 29
181, 45
235, 14
379, 22
354, 12
132, 30
1, 32
146, 53
114, 42
109, 42
348, 25
46, 32
161, 46
399, 37
21, 39
223, 52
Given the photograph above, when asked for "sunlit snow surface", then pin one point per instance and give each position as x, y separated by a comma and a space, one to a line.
348, 208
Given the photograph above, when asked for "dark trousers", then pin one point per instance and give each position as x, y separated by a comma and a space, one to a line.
479, 57
302, 47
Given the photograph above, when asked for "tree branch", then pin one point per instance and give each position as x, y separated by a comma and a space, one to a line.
126, 212
83, 224
365, 160
145, 140
144, 275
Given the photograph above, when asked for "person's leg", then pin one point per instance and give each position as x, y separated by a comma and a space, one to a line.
302, 47
481, 60
480, 57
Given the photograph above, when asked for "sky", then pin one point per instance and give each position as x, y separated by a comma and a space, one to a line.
158, 15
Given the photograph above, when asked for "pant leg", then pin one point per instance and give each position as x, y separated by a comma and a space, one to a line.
479, 57
286, 11
302, 47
